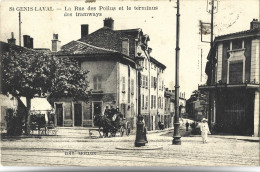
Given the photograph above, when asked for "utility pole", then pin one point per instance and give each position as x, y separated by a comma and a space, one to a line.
211, 60
20, 28
201, 65
176, 135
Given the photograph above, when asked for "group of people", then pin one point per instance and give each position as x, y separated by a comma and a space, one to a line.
112, 113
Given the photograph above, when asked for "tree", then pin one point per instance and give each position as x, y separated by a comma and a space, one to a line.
29, 73
196, 95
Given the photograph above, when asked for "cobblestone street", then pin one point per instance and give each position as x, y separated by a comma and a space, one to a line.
76, 148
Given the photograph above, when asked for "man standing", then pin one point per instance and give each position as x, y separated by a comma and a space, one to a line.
187, 125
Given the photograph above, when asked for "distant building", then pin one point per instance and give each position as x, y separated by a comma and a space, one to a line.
234, 85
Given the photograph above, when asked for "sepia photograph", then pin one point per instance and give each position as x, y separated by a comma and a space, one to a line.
127, 83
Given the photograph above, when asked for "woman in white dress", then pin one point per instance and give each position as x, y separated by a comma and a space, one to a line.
204, 128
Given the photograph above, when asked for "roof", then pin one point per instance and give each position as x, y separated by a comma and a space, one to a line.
43, 50
107, 38
158, 63
82, 48
245, 33
132, 32
5, 47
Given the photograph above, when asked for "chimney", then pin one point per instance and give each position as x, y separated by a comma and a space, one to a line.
84, 30
254, 24
109, 22
12, 40
27, 41
55, 46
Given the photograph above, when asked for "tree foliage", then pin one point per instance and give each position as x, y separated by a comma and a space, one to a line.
29, 73
196, 95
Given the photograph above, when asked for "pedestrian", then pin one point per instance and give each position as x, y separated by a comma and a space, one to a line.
187, 125
204, 129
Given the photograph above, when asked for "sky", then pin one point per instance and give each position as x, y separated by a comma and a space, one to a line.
160, 25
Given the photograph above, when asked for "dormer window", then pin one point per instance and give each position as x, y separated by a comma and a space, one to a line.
125, 46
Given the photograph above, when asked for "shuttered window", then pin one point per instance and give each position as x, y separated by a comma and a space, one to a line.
125, 47
236, 72
123, 83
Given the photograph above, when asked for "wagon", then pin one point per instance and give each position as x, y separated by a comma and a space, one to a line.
112, 125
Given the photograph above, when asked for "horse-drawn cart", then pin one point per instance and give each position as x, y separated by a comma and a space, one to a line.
112, 125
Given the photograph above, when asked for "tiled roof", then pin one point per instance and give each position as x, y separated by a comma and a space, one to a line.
5, 47
132, 32
110, 39
250, 32
80, 48
158, 63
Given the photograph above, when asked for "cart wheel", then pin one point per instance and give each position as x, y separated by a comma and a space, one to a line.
121, 131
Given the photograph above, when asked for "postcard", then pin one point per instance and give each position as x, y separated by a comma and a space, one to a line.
126, 83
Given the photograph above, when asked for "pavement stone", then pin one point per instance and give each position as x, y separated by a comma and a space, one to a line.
75, 148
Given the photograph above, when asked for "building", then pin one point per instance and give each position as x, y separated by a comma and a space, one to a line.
109, 56
234, 85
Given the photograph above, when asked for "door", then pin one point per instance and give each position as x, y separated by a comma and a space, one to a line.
59, 114
77, 114
97, 109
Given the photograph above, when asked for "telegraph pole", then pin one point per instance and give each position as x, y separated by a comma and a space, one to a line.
20, 28
212, 60
201, 65
176, 135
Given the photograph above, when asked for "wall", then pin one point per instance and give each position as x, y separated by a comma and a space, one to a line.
127, 97
105, 69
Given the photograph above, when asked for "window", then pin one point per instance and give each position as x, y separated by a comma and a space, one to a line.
125, 47
237, 44
132, 87
152, 81
123, 84
159, 84
146, 102
236, 72
159, 102
162, 85
146, 83
151, 101
145, 63
97, 82
142, 101
155, 82
144, 80
165, 103
154, 103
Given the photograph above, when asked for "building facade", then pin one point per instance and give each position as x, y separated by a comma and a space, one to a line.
234, 84
109, 56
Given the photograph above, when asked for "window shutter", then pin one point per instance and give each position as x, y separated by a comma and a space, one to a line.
99, 82
125, 47
123, 83
151, 101
95, 82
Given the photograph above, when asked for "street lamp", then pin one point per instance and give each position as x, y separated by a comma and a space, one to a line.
140, 139
176, 135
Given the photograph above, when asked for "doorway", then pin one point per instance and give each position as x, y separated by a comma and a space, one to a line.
77, 114
59, 114
97, 109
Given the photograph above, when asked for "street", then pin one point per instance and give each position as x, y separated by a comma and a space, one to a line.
74, 147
